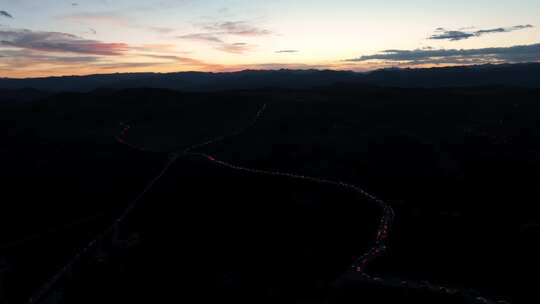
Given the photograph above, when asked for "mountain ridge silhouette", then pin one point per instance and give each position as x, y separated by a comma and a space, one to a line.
518, 75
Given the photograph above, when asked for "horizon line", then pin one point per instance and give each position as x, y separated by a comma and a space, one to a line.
272, 70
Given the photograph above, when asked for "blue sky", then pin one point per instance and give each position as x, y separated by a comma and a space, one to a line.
56, 37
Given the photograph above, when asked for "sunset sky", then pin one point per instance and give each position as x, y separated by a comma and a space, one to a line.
56, 37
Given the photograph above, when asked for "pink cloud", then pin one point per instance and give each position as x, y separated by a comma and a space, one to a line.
59, 42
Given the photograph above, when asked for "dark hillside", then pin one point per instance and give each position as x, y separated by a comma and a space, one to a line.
459, 166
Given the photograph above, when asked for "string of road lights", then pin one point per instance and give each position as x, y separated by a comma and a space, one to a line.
468, 295
359, 265
381, 239
385, 223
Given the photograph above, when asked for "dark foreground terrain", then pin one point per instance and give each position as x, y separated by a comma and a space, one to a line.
459, 166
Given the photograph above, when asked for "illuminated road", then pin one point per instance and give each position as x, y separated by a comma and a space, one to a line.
358, 267
379, 246
381, 238
467, 295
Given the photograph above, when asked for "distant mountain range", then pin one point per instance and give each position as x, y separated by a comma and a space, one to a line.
521, 75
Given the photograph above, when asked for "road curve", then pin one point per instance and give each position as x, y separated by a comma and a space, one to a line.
358, 268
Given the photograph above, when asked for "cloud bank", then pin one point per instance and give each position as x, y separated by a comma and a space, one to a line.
58, 42
513, 54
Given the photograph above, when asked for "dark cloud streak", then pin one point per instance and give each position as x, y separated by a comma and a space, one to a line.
451, 35
287, 51
5, 14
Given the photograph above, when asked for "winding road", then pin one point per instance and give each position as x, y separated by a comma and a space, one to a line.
358, 268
